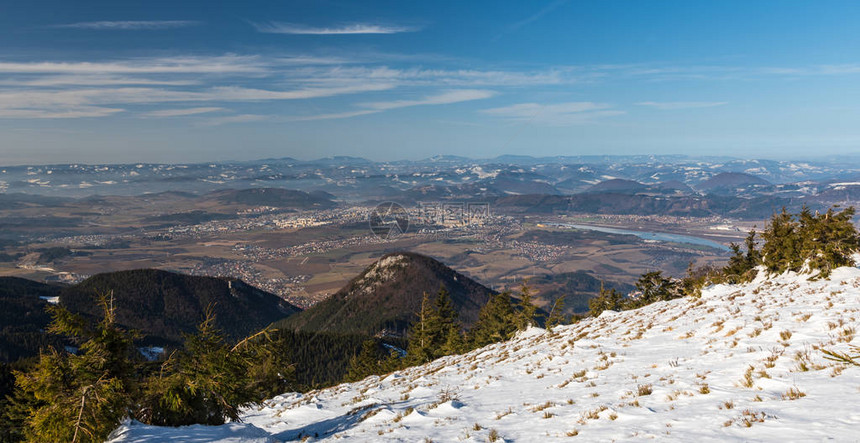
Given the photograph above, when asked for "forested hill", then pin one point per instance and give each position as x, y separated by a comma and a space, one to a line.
163, 305
23, 317
388, 294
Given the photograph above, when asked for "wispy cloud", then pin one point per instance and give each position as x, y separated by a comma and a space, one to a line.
556, 114
536, 16
76, 112
181, 112
243, 118
444, 77
130, 25
670, 106
100, 88
225, 64
332, 116
843, 69
444, 98
358, 28
93, 80
67, 104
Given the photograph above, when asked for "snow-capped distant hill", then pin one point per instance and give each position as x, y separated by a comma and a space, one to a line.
740, 363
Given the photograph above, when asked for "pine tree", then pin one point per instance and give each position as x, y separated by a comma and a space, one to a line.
496, 321
365, 363
815, 242
606, 300
742, 264
434, 334
454, 342
525, 315
781, 249
81, 397
829, 240
556, 314
421, 334
753, 255
270, 372
655, 287
393, 362
207, 382
445, 313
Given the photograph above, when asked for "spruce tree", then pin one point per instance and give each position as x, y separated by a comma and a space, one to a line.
814, 242
607, 299
556, 314
496, 321
753, 255
393, 362
270, 372
742, 264
829, 240
655, 287
454, 342
781, 249
445, 313
365, 363
421, 334
207, 382
81, 397
435, 333
525, 315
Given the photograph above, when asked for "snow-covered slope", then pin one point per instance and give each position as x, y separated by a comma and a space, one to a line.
739, 363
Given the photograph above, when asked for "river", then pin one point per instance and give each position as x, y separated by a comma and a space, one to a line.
652, 236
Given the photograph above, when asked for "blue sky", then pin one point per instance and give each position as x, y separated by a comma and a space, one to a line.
127, 81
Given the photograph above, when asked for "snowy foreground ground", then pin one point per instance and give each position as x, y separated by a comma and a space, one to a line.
740, 363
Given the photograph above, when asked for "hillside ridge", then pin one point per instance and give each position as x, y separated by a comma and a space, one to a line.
741, 362
387, 294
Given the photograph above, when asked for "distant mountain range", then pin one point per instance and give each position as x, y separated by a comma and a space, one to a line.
358, 180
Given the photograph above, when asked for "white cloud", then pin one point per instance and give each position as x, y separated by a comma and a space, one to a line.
669, 106
66, 104
131, 25
843, 69
77, 112
556, 114
536, 16
181, 112
70, 89
445, 98
529, 110
93, 80
443, 77
231, 93
243, 118
332, 116
292, 28
225, 64
95, 96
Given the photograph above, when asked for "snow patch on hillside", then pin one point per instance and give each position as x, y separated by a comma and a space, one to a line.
740, 363
381, 272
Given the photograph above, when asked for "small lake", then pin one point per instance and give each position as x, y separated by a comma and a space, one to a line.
653, 236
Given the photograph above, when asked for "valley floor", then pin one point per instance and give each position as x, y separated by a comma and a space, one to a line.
740, 363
